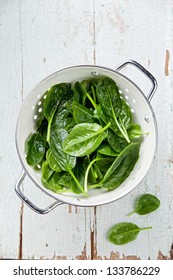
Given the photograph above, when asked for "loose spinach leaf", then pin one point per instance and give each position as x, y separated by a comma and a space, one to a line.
121, 167
123, 233
65, 161
125, 115
146, 204
35, 149
84, 139
51, 103
82, 114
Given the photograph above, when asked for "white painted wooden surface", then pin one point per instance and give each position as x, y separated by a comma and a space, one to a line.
38, 37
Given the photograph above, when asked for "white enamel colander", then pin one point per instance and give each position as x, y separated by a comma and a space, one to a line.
142, 112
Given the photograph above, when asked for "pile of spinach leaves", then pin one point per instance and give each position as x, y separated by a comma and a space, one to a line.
85, 137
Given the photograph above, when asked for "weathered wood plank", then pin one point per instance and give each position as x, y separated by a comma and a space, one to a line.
10, 102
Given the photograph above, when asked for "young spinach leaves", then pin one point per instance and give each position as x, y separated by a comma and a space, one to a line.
85, 137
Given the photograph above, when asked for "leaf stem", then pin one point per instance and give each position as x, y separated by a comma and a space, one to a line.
86, 174
77, 182
91, 100
131, 213
145, 228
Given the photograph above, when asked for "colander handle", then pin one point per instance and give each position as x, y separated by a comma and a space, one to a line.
28, 202
147, 74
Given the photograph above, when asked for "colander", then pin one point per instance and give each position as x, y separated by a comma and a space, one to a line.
143, 114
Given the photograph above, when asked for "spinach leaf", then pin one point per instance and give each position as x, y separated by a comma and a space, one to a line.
53, 98
79, 92
84, 139
106, 149
35, 149
123, 233
117, 143
105, 162
125, 115
54, 165
82, 114
135, 131
111, 103
46, 171
79, 173
146, 204
53, 183
65, 161
121, 167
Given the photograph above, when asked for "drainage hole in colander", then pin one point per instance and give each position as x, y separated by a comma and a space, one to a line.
132, 110
39, 103
35, 117
40, 110
45, 96
33, 107
126, 97
126, 90
146, 118
95, 73
134, 101
38, 96
120, 91
76, 199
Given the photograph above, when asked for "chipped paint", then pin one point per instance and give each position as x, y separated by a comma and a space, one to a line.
83, 255
167, 58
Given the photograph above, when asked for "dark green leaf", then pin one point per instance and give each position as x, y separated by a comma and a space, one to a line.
46, 171
121, 167
84, 139
106, 149
54, 165
52, 101
135, 131
65, 161
82, 114
117, 143
35, 149
123, 233
146, 204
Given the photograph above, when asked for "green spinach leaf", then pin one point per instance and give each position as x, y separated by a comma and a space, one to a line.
106, 149
82, 114
65, 161
51, 103
54, 165
123, 233
84, 139
35, 149
117, 143
146, 204
121, 167
46, 171
111, 103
